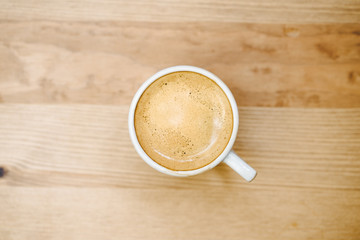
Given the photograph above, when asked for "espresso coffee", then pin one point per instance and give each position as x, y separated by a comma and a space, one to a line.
183, 121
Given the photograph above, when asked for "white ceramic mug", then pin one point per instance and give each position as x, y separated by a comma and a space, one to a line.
228, 155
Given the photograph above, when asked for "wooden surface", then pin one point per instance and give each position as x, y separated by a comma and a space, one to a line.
280, 11
104, 63
68, 71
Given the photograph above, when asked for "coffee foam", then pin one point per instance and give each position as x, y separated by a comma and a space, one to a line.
183, 121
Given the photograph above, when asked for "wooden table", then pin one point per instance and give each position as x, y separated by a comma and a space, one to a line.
69, 69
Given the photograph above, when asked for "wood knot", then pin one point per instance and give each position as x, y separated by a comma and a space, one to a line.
328, 50
291, 32
353, 77
2, 172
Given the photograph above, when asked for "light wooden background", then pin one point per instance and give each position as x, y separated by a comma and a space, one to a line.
68, 71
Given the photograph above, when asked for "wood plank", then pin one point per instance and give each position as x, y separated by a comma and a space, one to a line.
70, 171
89, 146
96, 213
105, 62
260, 11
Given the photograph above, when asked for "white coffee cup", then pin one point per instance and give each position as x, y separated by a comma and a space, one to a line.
227, 156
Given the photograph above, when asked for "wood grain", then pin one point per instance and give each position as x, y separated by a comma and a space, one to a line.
70, 171
105, 62
94, 213
281, 11
68, 71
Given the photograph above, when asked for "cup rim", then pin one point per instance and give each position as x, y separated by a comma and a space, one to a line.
141, 90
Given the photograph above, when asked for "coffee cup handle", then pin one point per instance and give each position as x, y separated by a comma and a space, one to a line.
240, 166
